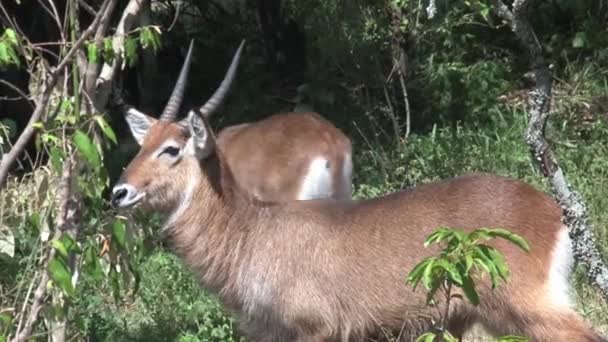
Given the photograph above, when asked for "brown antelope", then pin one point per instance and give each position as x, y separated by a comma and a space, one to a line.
335, 270
285, 157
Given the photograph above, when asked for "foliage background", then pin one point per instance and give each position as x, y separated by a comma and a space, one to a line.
466, 83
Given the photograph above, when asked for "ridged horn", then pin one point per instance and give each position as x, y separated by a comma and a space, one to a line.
175, 101
218, 97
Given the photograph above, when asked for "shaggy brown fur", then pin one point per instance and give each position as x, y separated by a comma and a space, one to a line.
334, 270
270, 158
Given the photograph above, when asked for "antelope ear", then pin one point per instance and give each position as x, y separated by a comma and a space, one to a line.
201, 142
139, 123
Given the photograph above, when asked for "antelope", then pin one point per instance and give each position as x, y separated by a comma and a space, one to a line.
335, 270
294, 156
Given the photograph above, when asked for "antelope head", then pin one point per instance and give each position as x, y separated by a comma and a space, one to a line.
171, 150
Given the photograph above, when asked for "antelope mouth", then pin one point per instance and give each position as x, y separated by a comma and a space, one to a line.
126, 196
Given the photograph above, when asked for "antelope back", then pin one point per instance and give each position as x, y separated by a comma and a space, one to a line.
291, 156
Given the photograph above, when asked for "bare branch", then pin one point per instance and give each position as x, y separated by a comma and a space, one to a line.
83, 37
18, 91
575, 212
104, 81
90, 75
67, 208
9, 158
87, 7
53, 14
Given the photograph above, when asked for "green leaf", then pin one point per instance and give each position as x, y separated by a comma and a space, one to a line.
119, 232
61, 276
70, 244
131, 51
448, 337
468, 261
60, 248
484, 259
92, 53
88, 149
451, 269
5, 320
509, 236
579, 40
416, 274
9, 43
149, 37
427, 274
437, 236
499, 262
469, 290
114, 282
108, 50
92, 266
105, 128
479, 234
427, 337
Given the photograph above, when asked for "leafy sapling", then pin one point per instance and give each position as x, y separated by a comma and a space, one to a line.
464, 258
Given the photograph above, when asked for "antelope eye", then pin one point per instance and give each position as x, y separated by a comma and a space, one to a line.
171, 150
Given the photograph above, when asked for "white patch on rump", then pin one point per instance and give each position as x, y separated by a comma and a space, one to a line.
347, 175
317, 182
562, 260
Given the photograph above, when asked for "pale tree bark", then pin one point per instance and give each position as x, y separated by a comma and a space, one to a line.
576, 216
104, 82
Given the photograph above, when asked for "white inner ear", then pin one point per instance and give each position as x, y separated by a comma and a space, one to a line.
139, 123
199, 143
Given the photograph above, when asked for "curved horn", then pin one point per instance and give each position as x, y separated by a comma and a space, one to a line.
218, 97
175, 101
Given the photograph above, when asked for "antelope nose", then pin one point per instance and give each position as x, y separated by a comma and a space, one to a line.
125, 195
118, 194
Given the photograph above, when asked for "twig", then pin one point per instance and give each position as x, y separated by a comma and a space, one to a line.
55, 15
104, 81
87, 7
18, 91
177, 9
406, 102
64, 220
90, 75
575, 216
9, 158
26, 300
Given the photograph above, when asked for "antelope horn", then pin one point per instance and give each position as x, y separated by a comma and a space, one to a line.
175, 101
218, 97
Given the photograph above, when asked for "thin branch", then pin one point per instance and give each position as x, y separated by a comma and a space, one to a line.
87, 8
55, 15
18, 91
575, 214
83, 37
64, 221
90, 75
9, 158
177, 10
406, 103
104, 81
